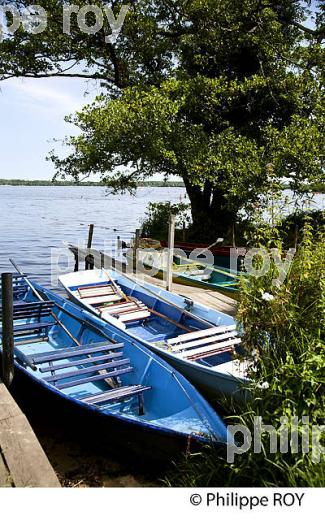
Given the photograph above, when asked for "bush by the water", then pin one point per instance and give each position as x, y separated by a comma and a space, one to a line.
155, 223
284, 334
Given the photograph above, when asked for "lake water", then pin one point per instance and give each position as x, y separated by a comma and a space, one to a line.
37, 220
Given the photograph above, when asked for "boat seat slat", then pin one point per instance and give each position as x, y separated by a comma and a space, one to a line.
84, 361
212, 348
30, 314
91, 379
26, 310
114, 309
211, 353
116, 394
135, 316
204, 341
135, 308
31, 326
73, 352
94, 368
98, 292
102, 299
34, 305
93, 286
201, 334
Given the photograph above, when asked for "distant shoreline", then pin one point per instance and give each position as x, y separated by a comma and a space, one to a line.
316, 189
145, 184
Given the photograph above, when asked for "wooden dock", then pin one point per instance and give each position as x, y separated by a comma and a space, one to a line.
23, 462
208, 297
212, 299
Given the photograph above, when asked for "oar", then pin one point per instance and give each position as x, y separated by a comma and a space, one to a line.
116, 286
190, 314
160, 315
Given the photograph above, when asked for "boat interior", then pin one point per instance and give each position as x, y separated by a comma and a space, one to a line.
76, 358
163, 324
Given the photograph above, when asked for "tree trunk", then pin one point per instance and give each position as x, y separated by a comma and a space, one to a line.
211, 216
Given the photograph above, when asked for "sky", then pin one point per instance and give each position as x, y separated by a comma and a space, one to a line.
32, 115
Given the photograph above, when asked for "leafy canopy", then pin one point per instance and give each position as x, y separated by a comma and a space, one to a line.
226, 95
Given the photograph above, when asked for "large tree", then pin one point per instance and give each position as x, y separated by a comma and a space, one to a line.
226, 94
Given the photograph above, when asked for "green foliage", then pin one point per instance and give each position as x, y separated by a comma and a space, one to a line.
291, 227
155, 223
212, 92
285, 336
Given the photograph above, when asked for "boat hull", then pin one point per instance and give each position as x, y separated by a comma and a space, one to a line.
114, 436
212, 383
174, 412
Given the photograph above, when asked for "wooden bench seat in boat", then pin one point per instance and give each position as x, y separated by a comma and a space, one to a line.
106, 360
205, 343
112, 368
28, 327
98, 290
29, 311
127, 311
217, 348
65, 353
93, 300
118, 394
83, 361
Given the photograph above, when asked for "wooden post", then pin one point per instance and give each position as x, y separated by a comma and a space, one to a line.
76, 261
88, 264
171, 241
136, 247
90, 235
8, 366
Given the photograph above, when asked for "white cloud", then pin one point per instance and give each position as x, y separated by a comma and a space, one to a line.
53, 95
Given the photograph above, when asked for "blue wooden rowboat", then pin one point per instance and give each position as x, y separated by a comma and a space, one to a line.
201, 343
76, 357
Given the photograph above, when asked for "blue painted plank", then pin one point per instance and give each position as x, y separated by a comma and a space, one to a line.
92, 379
116, 394
31, 326
94, 368
84, 361
74, 351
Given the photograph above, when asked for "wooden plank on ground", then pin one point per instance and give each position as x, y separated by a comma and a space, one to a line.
22, 455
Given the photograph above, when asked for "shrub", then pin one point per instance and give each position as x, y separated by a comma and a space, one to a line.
155, 223
284, 334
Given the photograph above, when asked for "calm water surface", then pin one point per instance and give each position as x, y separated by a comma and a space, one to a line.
36, 220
